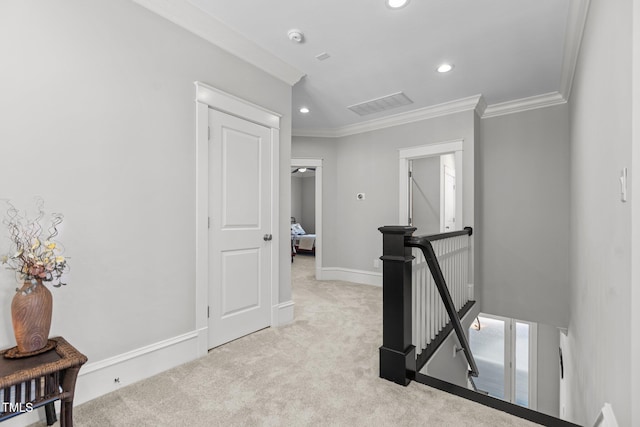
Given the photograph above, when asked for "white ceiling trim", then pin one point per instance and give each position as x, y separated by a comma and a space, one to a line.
524, 104
475, 102
444, 109
576, 20
195, 20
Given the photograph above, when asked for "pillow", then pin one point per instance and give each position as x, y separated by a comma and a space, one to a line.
297, 229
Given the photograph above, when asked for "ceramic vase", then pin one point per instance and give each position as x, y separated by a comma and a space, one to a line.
31, 310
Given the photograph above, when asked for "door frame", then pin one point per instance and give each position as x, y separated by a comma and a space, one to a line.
210, 97
315, 163
437, 149
509, 337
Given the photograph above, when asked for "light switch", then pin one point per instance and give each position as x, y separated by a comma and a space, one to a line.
623, 185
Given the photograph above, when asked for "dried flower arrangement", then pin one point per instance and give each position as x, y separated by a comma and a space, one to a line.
33, 257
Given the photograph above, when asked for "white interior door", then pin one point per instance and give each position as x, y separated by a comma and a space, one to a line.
240, 248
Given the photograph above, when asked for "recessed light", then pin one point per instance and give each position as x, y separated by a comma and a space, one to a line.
397, 4
304, 110
445, 68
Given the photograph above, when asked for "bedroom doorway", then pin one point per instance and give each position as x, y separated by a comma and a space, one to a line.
309, 173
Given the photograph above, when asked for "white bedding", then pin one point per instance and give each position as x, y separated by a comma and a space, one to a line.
306, 242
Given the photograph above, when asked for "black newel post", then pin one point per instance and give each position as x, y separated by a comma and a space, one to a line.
397, 354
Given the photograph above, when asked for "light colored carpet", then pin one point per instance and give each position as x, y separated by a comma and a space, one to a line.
320, 370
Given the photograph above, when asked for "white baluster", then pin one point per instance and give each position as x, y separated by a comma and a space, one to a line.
414, 318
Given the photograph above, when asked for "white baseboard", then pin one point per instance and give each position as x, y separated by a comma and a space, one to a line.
282, 314
98, 378
350, 275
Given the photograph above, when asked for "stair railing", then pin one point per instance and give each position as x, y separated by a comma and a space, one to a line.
414, 316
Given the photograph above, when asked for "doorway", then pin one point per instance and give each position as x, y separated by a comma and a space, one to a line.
316, 165
432, 194
431, 188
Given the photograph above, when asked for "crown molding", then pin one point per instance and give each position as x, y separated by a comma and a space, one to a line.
524, 104
576, 20
481, 107
439, 110
476, 103
200, 23
316, 133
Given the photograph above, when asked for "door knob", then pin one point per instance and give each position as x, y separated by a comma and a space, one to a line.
267, 237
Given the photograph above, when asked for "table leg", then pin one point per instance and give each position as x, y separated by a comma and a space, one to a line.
66, 413
66, 404
50, 411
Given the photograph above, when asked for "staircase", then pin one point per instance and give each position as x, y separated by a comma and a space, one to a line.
425, 294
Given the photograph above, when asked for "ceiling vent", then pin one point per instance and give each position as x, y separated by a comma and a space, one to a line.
381, 104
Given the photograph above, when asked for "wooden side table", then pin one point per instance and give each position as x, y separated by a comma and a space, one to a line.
35, 381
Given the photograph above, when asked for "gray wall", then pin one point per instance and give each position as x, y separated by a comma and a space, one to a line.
600, 328
296, 197
98, 117
523, 187
368, 163
309, 204
548, 370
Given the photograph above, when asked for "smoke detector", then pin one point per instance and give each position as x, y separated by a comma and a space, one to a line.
295, 36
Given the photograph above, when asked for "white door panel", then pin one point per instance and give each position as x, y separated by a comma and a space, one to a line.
240, 281
240, 216
241, 163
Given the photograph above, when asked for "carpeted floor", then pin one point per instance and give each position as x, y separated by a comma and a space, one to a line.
320, 370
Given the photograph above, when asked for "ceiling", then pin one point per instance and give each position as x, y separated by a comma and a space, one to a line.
504, 50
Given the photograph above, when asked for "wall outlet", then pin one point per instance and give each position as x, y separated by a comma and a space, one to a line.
376, 263
360, 196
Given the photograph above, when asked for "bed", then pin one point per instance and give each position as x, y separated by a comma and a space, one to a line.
301, 242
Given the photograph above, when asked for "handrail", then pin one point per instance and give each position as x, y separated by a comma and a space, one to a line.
424, 243
467, 231
398, 362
